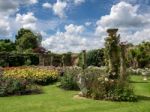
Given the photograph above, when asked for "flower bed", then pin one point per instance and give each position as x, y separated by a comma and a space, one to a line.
40, 76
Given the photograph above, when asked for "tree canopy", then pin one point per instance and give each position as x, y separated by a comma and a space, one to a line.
7, 45
26, 40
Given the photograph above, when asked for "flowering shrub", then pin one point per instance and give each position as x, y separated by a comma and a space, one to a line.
69, 79
11, 86
94, 83
40, 76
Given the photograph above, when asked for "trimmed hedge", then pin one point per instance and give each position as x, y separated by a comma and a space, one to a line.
93, 58
18, 59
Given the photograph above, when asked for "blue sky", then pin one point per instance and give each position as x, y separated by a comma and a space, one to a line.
74, 25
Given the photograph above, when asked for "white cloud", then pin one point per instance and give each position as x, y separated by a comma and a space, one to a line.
4, 27
88, 23
8, 9
130, 23
123, 15
74, 29
71, 40
137, 37
79, 1
27, 20
27, 2
47, 5
133, 27
59, 8
137, 1
32, 1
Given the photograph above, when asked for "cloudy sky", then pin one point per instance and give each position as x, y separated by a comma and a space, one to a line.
74, 25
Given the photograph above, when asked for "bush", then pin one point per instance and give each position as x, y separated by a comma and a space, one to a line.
11, 86
120, 91
94, 83
40, 76
69, 79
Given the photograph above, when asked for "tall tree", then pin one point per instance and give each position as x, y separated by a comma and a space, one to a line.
26, 40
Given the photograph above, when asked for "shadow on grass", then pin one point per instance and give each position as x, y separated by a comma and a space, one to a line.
139, 82
145, 98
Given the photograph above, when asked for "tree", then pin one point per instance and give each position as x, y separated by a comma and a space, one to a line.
21, 32
26, 39
139, 55
95, 58
7, 45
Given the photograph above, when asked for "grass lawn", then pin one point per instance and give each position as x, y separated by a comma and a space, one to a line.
55, 99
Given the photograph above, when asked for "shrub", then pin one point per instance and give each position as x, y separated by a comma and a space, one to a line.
11, 86
91, 83
69, 79
120, 91
96, 85
40, 76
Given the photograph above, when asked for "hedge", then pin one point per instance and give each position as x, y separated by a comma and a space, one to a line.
18, 59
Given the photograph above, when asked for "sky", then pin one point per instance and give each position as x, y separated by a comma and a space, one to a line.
75, 25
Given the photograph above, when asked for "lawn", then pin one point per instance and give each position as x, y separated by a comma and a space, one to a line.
55, 99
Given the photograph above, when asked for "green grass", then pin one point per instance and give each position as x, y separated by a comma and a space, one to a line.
55, 99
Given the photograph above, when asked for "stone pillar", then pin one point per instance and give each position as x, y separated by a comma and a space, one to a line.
51, 59
1, 71
63, 60
84, 64
112, 52
123, 61
41, 59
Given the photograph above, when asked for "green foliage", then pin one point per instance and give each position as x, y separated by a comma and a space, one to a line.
69, 80
28, 62
58, 100
112, 55
18, 59
10, 86
26, 39
139, 55
67, 59
7, 46
120, 91
98, 86
57, 60
95, 58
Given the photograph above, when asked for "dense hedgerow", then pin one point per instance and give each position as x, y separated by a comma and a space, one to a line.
18, 59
